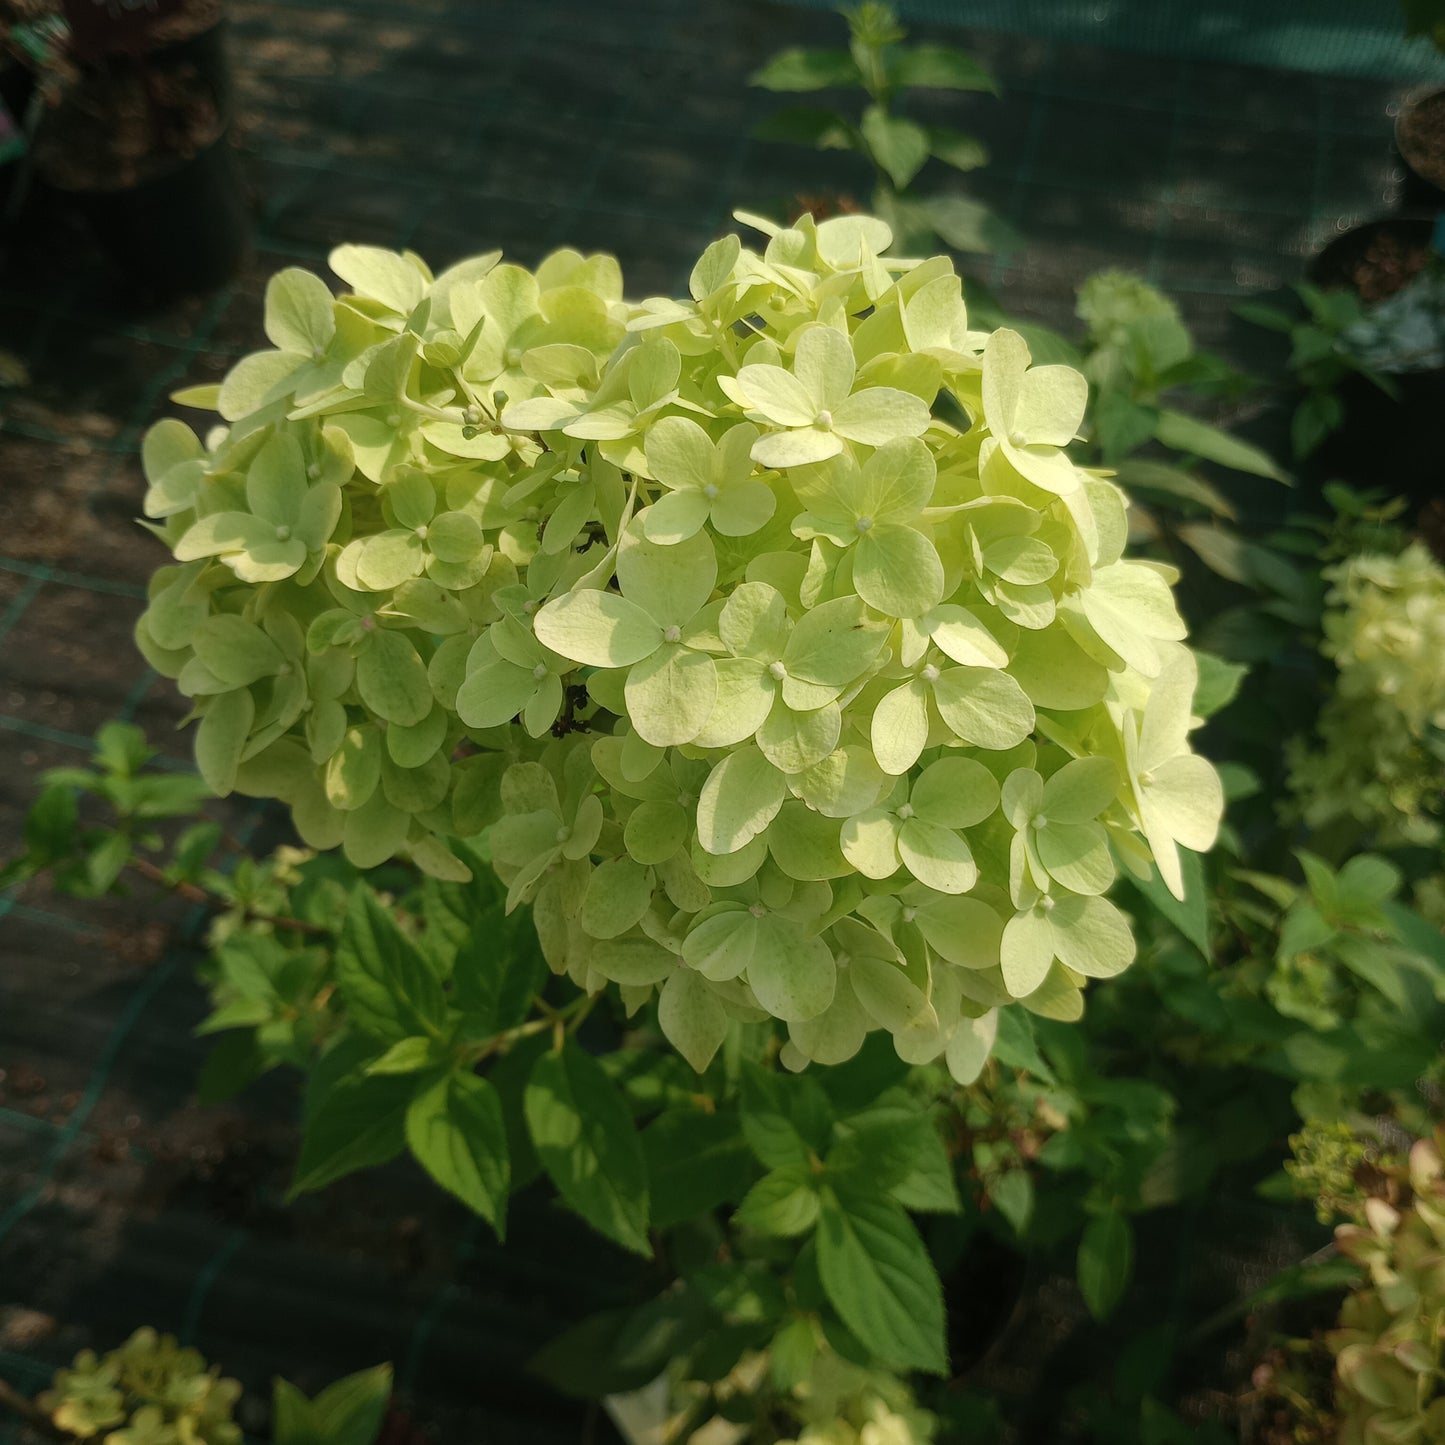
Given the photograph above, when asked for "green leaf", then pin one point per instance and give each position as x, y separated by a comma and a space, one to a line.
1152, 479
894, 1150
791, 1355
1319, 414
785, 1118
291, 1422
356, 1123
50, 825
695, 1162
409, 1056
455, 1129
1106, 1255
798, 69
784, 1203
899, 147
1268, 316
962, 152
1015, 1046
585, 1138
937, 67
496, 970
1188, 434
1122, 425
808, 126
928, 1186
1191, 916
1013, 1196
878, 1276
618, 1351
352, 1410
389, 988
1248, 563
1219, 683
969, 225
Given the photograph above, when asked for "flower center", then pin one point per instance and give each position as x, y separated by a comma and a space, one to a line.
864, 524
1046, 903
825, 421
514, 356
709, 491
393, 418
929, 673
1018, 439
563, 834
1041, 822
905, 812
314, 470
1146, 778
672, 634
777, 670
758, 911
283, 533
472, 415
540, 671
909, 914
421, 532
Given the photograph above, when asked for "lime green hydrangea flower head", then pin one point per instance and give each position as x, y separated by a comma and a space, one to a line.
149, 1391
1379, 758
780, 694
1387, 1346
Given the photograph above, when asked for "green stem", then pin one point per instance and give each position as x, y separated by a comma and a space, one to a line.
434, 413
566, 1019
193, 893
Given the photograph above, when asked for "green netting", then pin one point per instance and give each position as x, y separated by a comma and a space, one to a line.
1327, 37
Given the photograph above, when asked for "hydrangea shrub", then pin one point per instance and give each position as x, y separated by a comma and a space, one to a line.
149, 1391
789, 663
1387, 1346
1379, 757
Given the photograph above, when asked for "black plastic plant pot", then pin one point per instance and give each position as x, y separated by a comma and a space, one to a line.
1420, 145
139, 147
1376, 258
1384, 442
182, 232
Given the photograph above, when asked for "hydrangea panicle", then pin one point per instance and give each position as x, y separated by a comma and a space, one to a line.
780, 694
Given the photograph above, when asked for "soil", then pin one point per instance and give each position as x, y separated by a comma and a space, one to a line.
1377, 259
1420, 138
